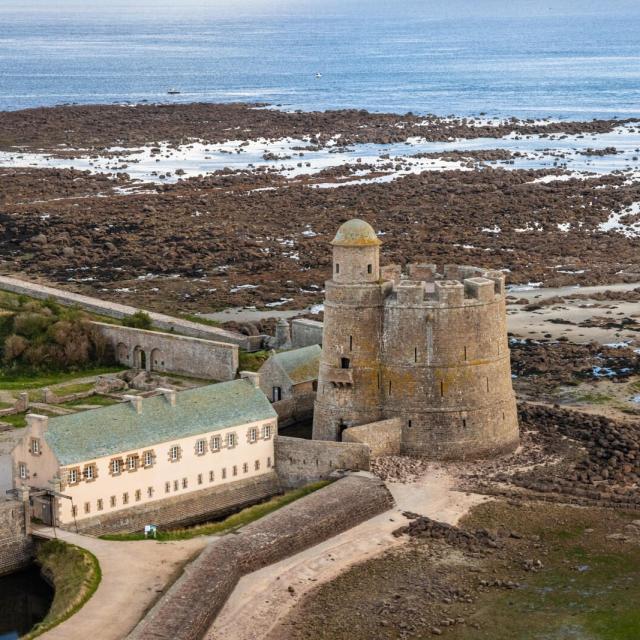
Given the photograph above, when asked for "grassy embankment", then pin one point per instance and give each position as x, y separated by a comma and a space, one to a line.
233, 522
75, 574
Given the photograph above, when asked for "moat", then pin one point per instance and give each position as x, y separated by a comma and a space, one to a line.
25, 598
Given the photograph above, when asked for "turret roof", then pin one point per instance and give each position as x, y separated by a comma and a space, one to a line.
356, 233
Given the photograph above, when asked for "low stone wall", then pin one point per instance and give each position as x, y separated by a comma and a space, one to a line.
188, 609
167, 352
300, 461
120, 311
305, 333
189, 509
294, 409
16, 546
383, 437
19, 406
51, 397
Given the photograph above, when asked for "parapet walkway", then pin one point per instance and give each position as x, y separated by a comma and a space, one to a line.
119, 311
134, 576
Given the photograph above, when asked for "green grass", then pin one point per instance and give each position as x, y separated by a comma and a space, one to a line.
94, 401
79, 387
199, 319
229, 524
18, 420
20, 381
6, 405
592, 398
252, 361
75, 574
588, 588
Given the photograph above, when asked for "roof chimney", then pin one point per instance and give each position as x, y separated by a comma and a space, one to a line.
169, 395
136, 402
37, 424
251, 377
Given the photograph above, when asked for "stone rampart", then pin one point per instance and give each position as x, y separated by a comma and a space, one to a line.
16, 546
190, 606
120, 311
294, 409
300, 461
305, 333
189, 509
383, 437
167, 352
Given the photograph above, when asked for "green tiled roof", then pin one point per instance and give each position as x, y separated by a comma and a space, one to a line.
111, 430
301, 365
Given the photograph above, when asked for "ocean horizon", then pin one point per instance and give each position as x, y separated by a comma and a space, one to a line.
536, 62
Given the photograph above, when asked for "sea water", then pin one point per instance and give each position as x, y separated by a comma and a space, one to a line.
560, 59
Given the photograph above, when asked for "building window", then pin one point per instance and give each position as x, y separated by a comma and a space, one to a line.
344, 363
245, 467
350, 343
112, 501
369, 268
409, 424
266, 430
337, 268
87, 507
90, 472
253, 434
269, 462
442, 388
125, 498
149, 492
22, 470
176, 485
235, 470
174, 453
211, 476
276, 394
147, 458
314, 385
100, 504
74, 511
256, 465
201, 447
132, 463
138, 495
215, 443
199, 478
167, 487
35, 446
72, 476
116, 466
224, 472
184, 483
231, 440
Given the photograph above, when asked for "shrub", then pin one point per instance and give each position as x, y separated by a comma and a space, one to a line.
139, 320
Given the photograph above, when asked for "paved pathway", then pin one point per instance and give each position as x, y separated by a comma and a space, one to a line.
262, 599
134, 575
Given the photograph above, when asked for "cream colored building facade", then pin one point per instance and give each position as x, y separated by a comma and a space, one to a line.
146, 450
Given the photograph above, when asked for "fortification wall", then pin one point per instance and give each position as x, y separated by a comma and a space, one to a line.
383, 438
166, 352
299, 461
190, 606
305, 333
16, 546
120, 311
188, 509
295, 409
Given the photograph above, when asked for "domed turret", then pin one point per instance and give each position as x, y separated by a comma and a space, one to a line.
356, 253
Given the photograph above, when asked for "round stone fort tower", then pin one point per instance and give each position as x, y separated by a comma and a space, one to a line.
425, 348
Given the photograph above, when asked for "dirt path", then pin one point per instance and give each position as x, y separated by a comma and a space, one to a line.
134, 574
263, 598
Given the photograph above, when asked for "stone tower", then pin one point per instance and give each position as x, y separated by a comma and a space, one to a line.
426, 348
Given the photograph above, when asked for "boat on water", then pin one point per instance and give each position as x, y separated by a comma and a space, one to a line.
318, 75
173, 92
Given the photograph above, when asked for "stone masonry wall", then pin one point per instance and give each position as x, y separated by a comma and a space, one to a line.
294, 409
383, 437
16, 546
305, 333
166, 352
187, 610
300, 461
189, 509
120, 311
